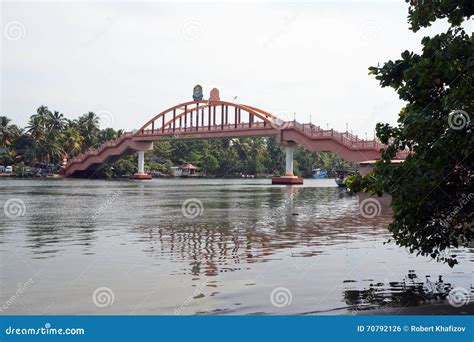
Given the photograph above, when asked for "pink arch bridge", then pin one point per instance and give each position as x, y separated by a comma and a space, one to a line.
207, 119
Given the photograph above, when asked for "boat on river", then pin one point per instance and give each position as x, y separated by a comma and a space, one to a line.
317, 174
341, 176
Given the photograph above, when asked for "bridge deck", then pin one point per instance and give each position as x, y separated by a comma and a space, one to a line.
309, 136
205, 119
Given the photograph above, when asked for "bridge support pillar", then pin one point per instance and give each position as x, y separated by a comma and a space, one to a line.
141, 167
141, 162
289, 160
289, 177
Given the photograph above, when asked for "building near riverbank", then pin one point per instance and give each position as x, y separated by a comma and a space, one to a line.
185, 170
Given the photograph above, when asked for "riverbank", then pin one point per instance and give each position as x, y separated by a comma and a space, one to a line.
46, 176
154, 176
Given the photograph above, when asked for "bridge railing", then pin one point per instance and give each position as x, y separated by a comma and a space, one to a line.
202, 129
107, 144
309, 129
345, 138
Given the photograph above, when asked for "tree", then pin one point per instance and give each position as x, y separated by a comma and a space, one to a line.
72, 141
8, 132
56, 121
275, 157
225, 152
210, 164
163, 150
251, 151
10, 156
432, 191
45, 129
88, 126
37, 123
124, 166
24, 145
107, 134
194, 157
257, 155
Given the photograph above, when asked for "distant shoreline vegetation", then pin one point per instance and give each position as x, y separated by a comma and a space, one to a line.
49, 138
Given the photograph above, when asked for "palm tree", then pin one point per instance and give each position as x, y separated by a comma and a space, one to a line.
226, 155
56, 121
72, 141
52, 146
46, 129
8, 131
107, 134
10, 157
257, 155
252, 152
88, 126
38, 123
275, 156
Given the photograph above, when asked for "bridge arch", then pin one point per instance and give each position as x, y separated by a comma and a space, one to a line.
196, 114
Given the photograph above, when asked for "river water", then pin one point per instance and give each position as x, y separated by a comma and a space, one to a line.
199, 246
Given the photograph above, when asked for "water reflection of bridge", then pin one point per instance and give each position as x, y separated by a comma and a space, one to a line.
294, 220
246, 226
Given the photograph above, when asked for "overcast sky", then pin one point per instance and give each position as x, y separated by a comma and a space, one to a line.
128, 61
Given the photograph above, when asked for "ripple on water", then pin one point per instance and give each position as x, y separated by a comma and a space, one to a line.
248, 238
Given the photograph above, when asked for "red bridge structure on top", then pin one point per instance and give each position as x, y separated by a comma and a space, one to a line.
205, 119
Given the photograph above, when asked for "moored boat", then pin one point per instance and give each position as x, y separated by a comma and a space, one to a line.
341, 175
317, 174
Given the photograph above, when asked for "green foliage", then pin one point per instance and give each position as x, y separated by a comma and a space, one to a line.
432, 190
305, 161
168, 165
72, 141
163, 150
88, 127
107, 134
20, 169
49, 137
124, 166
210, 164
8, 132
422, 13
230, 157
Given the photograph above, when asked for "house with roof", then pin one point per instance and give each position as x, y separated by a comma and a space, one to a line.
185, 170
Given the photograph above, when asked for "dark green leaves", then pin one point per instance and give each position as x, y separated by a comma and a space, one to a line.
433, 190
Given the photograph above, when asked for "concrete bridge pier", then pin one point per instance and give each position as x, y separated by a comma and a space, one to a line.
141, 162
141, 167
289, 160
289, 177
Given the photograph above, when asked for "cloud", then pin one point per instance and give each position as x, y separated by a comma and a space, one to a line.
135, 59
